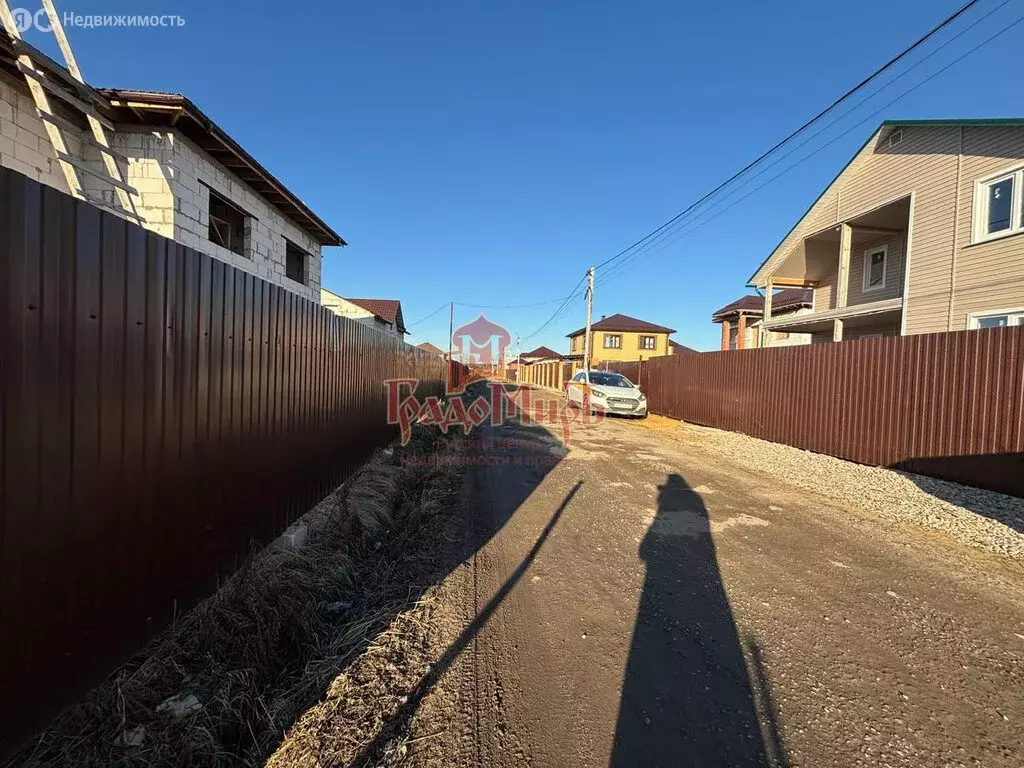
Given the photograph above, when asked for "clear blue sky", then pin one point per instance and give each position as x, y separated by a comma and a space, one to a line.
488, 151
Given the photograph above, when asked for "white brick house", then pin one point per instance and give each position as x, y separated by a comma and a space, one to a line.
195, 184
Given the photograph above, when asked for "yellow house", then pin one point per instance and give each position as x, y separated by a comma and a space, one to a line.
621, 338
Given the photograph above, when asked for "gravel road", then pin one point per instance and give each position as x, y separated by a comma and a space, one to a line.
661, 595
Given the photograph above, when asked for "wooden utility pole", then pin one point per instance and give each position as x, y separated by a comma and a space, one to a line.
451, 341
586, 337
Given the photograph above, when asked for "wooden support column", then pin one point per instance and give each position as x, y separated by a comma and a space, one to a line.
843, 281
741, 332
726, 325
766, 315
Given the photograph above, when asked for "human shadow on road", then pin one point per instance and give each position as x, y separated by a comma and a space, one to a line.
687, 699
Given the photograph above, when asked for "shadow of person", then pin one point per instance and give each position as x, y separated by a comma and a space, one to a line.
686, 698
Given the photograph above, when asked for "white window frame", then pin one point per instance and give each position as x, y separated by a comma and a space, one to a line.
884, 249
974, 317
980, 214
609, 336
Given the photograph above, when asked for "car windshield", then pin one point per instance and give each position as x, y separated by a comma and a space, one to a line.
603, 379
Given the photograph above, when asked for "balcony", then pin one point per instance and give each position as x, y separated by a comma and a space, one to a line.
856, 269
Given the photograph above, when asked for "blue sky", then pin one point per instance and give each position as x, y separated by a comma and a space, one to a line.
488, 151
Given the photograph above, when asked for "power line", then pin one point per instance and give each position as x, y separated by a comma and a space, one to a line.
558, 312
641, 255
898, 57
410, 325
664, 240
515, 306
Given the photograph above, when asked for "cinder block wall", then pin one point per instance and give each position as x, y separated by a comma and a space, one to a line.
24, 144
196, 174
172, 176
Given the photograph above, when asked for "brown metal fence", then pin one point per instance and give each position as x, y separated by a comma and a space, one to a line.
161, 411
950, 405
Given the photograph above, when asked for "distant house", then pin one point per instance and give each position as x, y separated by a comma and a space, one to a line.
679, 349
742, 324
426, 346
539, 354
618, 338
382, 314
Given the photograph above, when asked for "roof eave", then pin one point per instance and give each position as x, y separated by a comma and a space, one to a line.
137, 101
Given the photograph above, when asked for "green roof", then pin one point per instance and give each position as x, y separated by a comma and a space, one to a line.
990, 121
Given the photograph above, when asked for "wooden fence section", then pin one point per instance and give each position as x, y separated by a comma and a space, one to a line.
548, 373
950, 405
161, 411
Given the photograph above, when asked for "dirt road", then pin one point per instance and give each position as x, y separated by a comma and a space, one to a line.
635, 601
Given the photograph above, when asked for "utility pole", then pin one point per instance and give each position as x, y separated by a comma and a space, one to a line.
586, 337
451, 341
519, 355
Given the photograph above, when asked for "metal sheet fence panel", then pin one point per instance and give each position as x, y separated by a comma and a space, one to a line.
950, 405
161, 413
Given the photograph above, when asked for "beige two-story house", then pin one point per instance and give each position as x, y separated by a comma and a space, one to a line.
922, 231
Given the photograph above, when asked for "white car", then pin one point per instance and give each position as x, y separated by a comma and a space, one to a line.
606, 392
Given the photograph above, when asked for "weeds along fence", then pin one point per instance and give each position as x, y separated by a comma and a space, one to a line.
161, 412
949, 405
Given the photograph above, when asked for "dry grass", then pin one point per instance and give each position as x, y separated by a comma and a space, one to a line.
265, 647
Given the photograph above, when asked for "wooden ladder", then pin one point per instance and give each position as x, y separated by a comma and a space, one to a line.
42, 88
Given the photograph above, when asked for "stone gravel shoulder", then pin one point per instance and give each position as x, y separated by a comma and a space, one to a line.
979, 518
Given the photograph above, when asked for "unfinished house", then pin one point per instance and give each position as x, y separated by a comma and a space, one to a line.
922, 231
176, 172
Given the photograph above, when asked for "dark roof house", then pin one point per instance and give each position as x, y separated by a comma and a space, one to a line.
388, 310
679, 349
626, 323
782, 302
426, 346
540, 353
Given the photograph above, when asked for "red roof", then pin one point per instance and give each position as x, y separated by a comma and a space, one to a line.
679, 349
388, 310
784, 301
426, 346
623, 323
543, 352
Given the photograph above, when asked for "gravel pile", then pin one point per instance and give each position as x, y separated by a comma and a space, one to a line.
984, 519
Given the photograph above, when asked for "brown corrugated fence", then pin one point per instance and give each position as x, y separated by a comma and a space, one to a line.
950, 405
161, 411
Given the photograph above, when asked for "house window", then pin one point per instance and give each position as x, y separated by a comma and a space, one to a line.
612, 341
996, 319
895, 137
875, 262
999, 205
648, 342
295, 262
227, 225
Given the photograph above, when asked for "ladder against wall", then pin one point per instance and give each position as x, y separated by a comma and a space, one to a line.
48, 80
